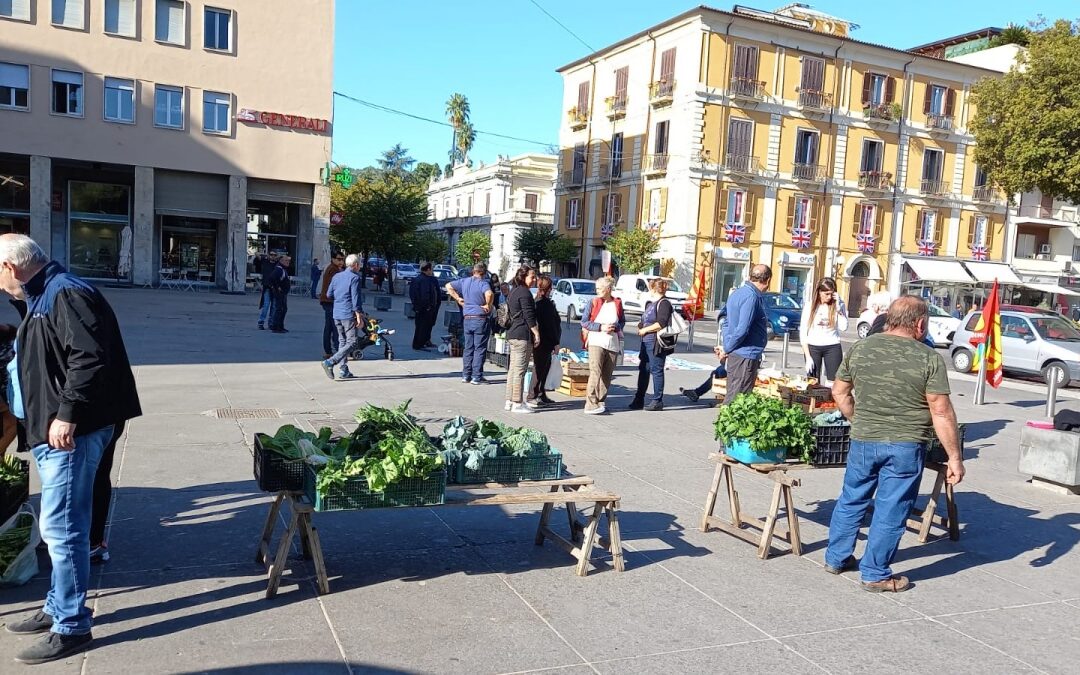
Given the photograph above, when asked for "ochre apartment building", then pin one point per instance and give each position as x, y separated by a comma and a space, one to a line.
744, 137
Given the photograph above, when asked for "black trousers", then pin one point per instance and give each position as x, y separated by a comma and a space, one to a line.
425, 321
103, 489
329, 331
829, 355
741, 375
542, 364
278, 310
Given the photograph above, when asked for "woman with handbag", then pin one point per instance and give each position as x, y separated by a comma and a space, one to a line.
655, 347
523, 335
823, 320
550, 325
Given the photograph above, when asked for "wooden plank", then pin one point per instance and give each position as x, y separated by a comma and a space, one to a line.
931, 508
545, 516
268, 527
587, 542
733, 497
794, 538
950, 509
579, 481
752, 537
710, 499
770, 523
309, 533
614, 545
530, 498
281, 557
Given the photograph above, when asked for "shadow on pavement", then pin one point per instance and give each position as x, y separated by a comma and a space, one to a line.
305, 667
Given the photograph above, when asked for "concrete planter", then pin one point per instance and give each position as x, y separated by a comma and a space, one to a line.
1051, 455
383, 303
409, 313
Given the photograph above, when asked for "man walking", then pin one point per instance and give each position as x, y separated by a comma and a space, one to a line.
75, 384
315, 274
746, 333
895, 391
424, 295
348, 301
329, 336
280, 285
473, 294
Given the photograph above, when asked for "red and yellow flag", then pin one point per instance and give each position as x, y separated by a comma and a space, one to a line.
988, 338
694, 305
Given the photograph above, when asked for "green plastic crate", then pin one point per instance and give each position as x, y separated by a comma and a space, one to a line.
509, 469
355, 494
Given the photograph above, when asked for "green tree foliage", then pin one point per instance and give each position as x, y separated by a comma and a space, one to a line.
1026, 123
471, 241
532, 243
457, 113
633, 250
562, 249
425, 172
1012, 35
396, 161
430, 246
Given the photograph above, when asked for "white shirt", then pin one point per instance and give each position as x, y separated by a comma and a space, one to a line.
606, 315
817, 331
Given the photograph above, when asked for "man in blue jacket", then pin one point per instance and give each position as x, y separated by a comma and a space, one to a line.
344, 292
746, 333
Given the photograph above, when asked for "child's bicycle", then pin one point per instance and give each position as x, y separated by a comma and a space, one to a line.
372, 333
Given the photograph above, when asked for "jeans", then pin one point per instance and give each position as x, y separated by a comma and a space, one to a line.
649, 364
280, 307
267, 308
706, 386
894, 471
329, 331
347, 339
521, 352
103, 489
475, 348
67, 491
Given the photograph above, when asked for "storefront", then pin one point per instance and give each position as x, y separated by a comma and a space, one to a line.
796, 271
99, 230
14, 197
189, 248
730, 273
986, 273
941, 282
863, 276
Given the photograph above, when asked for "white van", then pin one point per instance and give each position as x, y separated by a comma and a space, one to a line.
633, 290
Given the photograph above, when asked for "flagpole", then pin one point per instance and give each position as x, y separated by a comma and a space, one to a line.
980, 384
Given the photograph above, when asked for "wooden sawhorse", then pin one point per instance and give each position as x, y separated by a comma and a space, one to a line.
922, 519
299, 522
725, 467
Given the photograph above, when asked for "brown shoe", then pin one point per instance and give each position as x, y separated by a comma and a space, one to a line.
896, 584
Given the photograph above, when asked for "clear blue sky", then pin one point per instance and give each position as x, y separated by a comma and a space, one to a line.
502, 54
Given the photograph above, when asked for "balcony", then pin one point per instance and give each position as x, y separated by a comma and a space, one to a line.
742, 165
578, 119
661, 93
572, 179
814, 101
986, 194
655, 165
808, 173
935, 189
939, 125
875, 181
616, 107
747, 89
1045, 262
882, 114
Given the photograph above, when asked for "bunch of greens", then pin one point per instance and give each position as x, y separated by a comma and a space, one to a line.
487, 439
376, 423
13, 541
296, 445
766, 423
392, 458
11, 472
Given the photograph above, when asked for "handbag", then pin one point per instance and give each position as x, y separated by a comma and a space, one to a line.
676, 325
665, 344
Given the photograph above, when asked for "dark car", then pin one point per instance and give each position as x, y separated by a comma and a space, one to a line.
443, 277
375, 264
784, 313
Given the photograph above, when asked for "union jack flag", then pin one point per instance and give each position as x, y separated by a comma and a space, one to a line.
800, 238
979, 253
865, 242
927, 246
607, 230
735, 232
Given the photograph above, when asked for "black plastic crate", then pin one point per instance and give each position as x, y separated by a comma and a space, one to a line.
831, 445
274, 473
935, 451
499, 360
14, 496
356, 494
509, 469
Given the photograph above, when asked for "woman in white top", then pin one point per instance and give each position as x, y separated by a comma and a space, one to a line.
824, 318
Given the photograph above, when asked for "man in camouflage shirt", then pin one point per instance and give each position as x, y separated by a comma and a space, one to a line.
895, 391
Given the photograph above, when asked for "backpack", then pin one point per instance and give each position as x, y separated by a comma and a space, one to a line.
503, 319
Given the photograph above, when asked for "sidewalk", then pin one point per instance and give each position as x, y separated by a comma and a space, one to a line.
465, 590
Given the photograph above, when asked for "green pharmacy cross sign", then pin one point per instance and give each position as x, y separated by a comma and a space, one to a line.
343, 176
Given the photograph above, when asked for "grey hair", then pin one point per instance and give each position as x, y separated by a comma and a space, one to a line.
21, 252
606, 282
351, 259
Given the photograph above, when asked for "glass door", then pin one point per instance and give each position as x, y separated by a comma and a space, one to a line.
99, 230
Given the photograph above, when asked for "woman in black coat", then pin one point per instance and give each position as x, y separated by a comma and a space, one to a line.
550, 325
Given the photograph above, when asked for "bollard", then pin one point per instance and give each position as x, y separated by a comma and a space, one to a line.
1051, 396
787, 341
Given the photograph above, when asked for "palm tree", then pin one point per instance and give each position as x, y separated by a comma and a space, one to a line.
457, 113
466, 136
396, 161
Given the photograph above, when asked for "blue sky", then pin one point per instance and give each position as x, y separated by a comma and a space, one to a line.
502, 54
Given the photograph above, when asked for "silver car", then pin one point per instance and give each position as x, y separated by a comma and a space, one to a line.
1033, 342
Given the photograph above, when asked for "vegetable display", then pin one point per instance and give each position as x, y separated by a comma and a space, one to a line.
487, 439
295, 445
15, 540
766, 423
11, 472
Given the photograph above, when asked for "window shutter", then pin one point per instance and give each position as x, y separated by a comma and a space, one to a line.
663, 205
18, 9
879, 219
616, 208
813, 74
938, 228
791, 212
667, 65
971, 231
867, 82
950, 102
120, 17
890, 89
748, 209
815, 214
622, 75
14, 76
583, 98
67, 77
928, 99
988, 237
530, 202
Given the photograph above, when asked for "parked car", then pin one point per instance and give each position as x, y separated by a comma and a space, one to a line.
1032, 343
374, 264
572, 296
404, 271
633, 290
941, 329
446, 268
443, 277
784, 314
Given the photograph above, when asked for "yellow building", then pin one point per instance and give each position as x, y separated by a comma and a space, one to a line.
746, 136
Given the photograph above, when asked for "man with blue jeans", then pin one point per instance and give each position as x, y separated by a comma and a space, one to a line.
745, 333
895, 391
74, 384
473, 294
344, 292
267, 265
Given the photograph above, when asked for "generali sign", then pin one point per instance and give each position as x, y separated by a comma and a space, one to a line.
274, 119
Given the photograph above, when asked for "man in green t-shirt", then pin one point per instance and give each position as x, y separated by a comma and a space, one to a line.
895, 391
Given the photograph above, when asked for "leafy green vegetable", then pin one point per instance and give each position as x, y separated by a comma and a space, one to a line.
11, 472
766, 423
488, 439
297, 445
392, 458
13, 541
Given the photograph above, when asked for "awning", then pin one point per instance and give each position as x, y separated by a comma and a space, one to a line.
938, 270
1050, 288
987, 272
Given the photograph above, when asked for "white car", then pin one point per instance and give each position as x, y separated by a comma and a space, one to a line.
633, 290
404, 271
942, 325
572, 296
449, 268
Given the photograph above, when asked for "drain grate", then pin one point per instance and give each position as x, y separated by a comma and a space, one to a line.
246, 413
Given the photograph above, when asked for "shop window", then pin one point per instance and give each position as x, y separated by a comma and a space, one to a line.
14, 85
99, 229
168, 107
217, 29
170, 22
119, 17
272, 227
119, 100
216, 108
15, 9
67, 93
14, 202
189, 248
69, 13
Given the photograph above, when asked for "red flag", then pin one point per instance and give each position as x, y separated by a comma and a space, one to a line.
988, 337
694, 305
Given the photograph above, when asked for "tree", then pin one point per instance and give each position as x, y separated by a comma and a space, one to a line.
430, 246
1026, 122
562, 249
633, 250
470, 242
1012, 35
533, 241
396, 161
466, 136
457, 112
425, 172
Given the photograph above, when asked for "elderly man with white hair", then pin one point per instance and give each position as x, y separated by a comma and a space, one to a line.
344, 292
75, 384
878, 303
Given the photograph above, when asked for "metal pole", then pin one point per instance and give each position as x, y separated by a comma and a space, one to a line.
1051, 394
980, 384
787, 341
690, 337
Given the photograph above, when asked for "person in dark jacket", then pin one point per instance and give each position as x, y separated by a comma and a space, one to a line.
280, 285
523, 335
550, 325
315, 274
75, 385
652, 357
330, 337
424, 295
265, 265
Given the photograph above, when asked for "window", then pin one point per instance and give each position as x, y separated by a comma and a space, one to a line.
802, 214
739, 145
579, 163
169, 107
14, 86
746, 62
119, 100
119, 17
99, 216
878, 89
468, 206
932, 164
216, 112
616, 155
487, 203
936, 97
980, 231
1076, 253
170, 22
1025, 246
15, 9
611, 209
927, 226
806, 147
573, 213
660, 138
873, 153
217, 29
67, 93
813, 75
981, 179
583, 100
532, 201
667, 68
622, 77
69, 13
868, 223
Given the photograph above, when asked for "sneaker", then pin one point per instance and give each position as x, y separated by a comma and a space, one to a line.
99, 554
596, 411
54, 646
689, 394
655, 406
465, 380
328, 368
346, 375
479, 381
848, 564
521, 408
38, 623
535, 404
261, 327
508, 405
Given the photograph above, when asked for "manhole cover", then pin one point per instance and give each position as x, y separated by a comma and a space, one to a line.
245, 413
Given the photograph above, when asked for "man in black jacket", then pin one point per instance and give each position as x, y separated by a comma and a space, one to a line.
75, 384
424, 295
265, 265
280, 285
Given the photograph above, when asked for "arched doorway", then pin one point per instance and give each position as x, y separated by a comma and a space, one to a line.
858, 288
